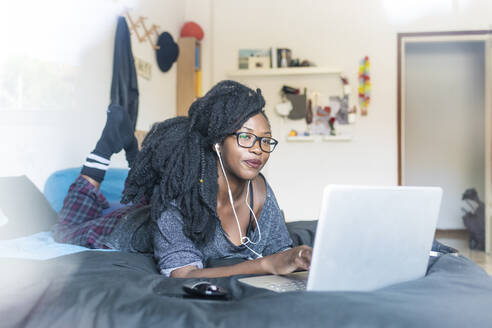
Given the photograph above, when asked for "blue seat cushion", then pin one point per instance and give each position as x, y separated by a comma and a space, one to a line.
57, 184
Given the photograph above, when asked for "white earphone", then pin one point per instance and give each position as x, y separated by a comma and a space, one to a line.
244, 239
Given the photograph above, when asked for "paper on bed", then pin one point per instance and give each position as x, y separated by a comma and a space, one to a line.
39, 246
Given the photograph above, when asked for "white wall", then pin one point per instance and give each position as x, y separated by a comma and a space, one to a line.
335, 33
55, 78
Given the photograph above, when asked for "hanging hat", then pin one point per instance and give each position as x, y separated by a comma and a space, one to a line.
192, 29
168, 51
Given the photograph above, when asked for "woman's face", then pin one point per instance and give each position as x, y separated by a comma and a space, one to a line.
246, 163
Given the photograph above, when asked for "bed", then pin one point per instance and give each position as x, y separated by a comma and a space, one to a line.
76, 287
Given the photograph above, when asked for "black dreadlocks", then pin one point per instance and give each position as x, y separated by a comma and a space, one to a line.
177, 166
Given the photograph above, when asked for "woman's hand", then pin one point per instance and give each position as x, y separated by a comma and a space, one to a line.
288, 261
280, 263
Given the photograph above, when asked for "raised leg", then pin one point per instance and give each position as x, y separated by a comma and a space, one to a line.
81, 220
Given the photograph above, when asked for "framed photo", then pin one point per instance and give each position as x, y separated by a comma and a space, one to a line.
254, 57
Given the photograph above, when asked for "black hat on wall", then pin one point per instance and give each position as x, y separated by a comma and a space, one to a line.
168, 51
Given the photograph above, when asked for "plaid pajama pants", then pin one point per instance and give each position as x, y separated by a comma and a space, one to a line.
81, 220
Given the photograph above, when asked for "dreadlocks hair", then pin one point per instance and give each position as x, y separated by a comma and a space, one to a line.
177, 166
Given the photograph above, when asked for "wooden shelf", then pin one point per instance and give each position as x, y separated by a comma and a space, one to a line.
311, 138
300, 138
285, 71
342, 137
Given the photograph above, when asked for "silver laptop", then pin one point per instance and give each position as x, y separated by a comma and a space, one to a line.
367, 238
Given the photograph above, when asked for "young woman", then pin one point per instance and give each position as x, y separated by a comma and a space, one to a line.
201, 176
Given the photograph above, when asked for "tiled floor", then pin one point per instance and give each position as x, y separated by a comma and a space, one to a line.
459, 240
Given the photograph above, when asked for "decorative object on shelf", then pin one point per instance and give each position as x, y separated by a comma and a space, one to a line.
254, 58
292, 101
331, 123
309, 113
343, 109
290, 90
284, 56
192, 29
283, 109
292, 133
321, 119
364, 85
147, 33
296, 62
167, 53
340, 105
299, 106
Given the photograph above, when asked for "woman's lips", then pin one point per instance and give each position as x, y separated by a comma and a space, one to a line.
254, 163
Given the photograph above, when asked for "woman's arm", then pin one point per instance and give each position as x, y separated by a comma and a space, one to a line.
280, 263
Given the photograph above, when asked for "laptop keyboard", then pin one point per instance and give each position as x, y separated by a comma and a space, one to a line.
287, 286
282, 283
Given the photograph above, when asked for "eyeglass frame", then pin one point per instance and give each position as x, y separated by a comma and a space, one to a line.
256, 139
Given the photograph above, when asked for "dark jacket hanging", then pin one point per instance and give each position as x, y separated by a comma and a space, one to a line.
124, 86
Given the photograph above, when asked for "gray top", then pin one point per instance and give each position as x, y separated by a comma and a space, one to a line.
172, 249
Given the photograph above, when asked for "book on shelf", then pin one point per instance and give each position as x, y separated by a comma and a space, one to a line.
273, 57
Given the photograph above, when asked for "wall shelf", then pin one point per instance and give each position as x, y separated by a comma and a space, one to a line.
311, 138
285, 71
300, 138
342, 137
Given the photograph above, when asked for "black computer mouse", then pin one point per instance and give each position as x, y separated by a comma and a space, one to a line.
205, 289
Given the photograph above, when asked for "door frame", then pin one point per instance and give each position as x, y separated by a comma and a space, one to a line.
449, 36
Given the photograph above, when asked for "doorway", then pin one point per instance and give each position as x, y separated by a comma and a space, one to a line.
444, 136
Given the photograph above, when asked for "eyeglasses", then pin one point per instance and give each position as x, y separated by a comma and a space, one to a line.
248, 140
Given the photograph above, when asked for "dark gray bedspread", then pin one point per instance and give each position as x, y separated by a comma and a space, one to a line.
116, 289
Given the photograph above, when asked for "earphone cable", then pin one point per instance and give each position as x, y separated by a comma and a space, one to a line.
234, 210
